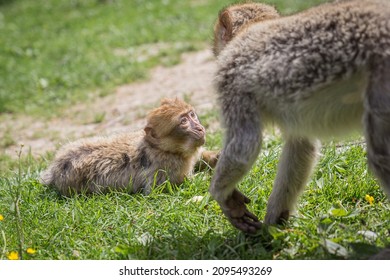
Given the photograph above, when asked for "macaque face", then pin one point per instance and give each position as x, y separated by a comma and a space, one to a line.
189, 128
175, 127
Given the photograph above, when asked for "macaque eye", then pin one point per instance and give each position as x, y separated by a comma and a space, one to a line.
193, 115
183, 120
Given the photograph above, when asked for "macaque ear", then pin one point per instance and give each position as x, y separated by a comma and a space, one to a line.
150, 133
225, 32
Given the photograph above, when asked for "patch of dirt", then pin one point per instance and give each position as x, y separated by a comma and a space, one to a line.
123, 110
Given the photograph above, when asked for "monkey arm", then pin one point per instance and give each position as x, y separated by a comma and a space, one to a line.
208, 159
242, 145
232, 202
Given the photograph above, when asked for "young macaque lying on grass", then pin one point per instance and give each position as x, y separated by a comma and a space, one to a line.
168, 148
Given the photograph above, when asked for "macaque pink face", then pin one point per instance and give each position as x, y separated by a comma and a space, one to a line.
190, 128
175, 127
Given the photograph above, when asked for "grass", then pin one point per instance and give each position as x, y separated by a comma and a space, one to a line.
334, 219
77, 50
80, 49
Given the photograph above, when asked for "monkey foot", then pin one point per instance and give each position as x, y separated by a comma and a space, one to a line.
272, 218
236, 211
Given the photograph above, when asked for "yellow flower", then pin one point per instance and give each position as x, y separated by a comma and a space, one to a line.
31, 251
369, 199
13, 255
1, 217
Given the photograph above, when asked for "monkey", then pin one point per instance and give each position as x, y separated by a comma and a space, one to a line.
317, 75
167, 148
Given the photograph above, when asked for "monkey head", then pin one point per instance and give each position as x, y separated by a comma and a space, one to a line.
174, 127
233, 19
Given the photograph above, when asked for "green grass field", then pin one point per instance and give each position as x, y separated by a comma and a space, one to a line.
57, 53
334, 219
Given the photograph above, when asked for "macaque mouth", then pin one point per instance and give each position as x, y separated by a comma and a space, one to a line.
201, 139
198, 137
198, 133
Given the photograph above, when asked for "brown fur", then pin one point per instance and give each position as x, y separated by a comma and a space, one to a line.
234, 19
164, 150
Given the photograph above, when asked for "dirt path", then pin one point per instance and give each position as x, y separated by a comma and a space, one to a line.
123, 110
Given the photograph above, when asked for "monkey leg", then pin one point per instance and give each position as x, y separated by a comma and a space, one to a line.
377, 121
242, 145
294, 168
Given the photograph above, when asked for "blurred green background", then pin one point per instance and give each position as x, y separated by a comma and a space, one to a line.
54, 53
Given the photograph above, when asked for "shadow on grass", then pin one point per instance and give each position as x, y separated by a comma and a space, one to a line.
182, 243
172, 240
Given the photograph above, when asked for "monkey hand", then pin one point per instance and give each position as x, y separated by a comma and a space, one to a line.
236, 211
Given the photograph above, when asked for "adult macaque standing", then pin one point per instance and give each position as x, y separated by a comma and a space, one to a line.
315, 74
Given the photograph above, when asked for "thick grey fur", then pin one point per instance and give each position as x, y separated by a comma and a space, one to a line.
317, 75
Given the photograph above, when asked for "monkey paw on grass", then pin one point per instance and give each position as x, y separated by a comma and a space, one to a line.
234, 208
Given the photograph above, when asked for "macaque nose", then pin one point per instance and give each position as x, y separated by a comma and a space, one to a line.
200, 128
